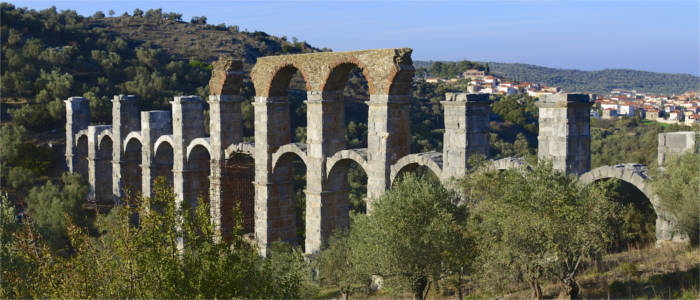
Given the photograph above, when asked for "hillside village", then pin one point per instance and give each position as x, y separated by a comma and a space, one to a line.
674, 109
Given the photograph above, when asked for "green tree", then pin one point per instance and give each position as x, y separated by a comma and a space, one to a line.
52, 206
536, 224
411, 235
336, 266
678, 187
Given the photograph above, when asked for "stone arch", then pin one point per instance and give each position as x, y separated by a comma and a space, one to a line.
80, 134
338, 203
237, 184
131, 136
339, 73
244, 148
296, 148
388, 71
103, 165
196, 184
203, 142
163, 139
290, 211
131, 166
81, 154
279, 81
636, 175
359, 156
632, 173
102, 134
163, 159
400, 82
507, 163
431, 160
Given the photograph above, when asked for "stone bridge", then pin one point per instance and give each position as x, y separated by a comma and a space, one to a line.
124, 158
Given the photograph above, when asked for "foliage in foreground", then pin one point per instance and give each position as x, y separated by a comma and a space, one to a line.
144, 260
415, 237
537, 224
678, 187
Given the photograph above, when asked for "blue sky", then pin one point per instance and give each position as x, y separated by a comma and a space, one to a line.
660, 36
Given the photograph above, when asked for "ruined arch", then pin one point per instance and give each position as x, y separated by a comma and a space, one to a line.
431, 160
203, 142
238, 190
134, 135
282, 78
287, 175
163, 159
359, 156
131, 167
635, 174
508, 163
341, 198
296, 148
103, 134
245, 148
196, 184
103, 172
339, 74
163, 139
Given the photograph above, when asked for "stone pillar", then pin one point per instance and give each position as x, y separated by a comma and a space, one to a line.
188, 124
225, 128
154, 124
125, 119
672, 144
466, 131
274, 214
388, 139
564, 133
325, 135
97, 178
77, 118
675, 144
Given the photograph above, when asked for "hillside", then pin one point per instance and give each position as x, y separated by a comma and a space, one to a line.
49, 55
198, 41
602, 81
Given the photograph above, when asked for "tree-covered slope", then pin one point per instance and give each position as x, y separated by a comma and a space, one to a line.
602, 81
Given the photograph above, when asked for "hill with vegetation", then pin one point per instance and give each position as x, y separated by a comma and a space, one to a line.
48, 56
602, 81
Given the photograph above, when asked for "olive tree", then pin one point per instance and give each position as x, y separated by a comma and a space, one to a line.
411, 236
537, 224
678, 187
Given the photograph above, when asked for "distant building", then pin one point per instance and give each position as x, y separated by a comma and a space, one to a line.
473, 74
652, 114
692, 120
609, 113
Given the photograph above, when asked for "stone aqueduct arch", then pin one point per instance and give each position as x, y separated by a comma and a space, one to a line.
168, 140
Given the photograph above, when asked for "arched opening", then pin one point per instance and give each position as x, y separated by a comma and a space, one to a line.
347, 80
163, 163
238, 192
289, 83
197, 176
103, 172
347, 181
131, 169
639, 218
289, 210
420, 171
81, 157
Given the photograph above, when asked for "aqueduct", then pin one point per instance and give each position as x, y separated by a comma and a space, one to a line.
221, 168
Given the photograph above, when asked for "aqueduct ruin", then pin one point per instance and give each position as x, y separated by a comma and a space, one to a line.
221, 168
